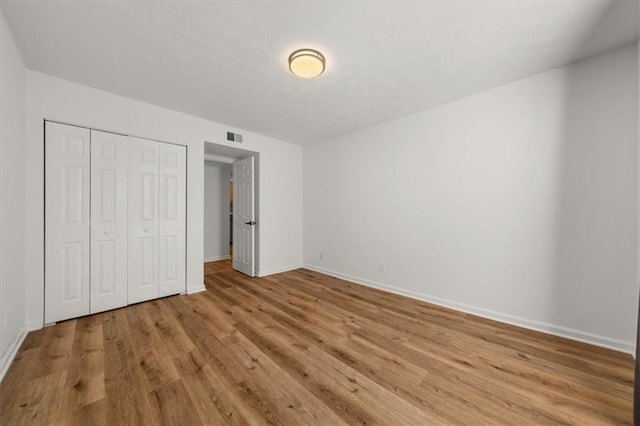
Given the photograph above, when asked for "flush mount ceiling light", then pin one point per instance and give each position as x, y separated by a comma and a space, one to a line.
306, 63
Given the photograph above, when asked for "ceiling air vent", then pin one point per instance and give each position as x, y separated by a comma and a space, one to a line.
234, 137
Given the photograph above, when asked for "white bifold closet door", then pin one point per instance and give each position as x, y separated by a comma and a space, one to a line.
109, 170
143, 220
115, 221
157, 216
172, 218
67, 221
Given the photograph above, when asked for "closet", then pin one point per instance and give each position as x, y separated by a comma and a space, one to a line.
115, 220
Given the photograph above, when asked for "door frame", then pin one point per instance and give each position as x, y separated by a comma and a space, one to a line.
224, 202
224, 153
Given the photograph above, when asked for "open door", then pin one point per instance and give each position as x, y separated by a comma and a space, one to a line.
243, 217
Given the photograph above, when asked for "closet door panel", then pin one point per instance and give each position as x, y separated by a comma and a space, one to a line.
67, 221
109, 170
172, 215
143, 220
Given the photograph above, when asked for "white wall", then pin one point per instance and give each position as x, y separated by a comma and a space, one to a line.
280, 171
12, 202
519, 203
637, 354
216, 210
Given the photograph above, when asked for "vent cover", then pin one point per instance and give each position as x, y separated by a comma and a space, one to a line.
234, 137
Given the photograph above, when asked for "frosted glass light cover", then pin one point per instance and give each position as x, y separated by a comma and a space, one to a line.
306, 63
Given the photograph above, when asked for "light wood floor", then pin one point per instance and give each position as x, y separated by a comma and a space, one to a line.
304, 348
219, 266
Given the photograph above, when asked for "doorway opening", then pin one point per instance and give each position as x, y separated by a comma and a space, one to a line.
231, 210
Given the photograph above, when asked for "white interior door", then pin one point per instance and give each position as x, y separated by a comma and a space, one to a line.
172, 218
67, 240
243, 217
143, 220
109, 170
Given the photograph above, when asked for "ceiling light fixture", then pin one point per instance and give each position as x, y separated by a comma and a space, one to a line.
306, 63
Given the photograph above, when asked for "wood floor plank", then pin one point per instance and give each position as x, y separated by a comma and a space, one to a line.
489, 328
234, 376
34, 402
305, 348
176, 340
210, 314
391, 372
94, 414
365, 370
570, 391
124, 380
293, 398
219, 266
85, 378
214, 404
171, 405
54, 355
150, 352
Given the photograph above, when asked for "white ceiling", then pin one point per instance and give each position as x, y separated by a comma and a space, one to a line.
226, 61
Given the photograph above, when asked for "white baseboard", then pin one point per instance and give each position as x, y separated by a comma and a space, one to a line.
277, 270
216, 258
10, 354
194, 290
34, 325
556, 330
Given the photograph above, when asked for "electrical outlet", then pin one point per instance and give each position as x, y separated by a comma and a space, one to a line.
321, 256
381, 267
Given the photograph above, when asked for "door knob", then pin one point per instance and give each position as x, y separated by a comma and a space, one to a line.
250, 223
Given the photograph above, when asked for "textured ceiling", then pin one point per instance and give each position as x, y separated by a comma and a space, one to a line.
226, 61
